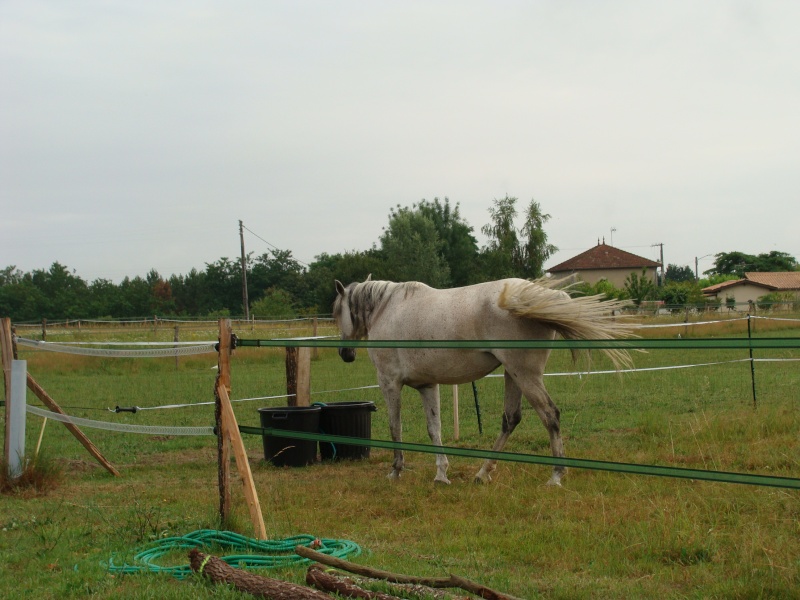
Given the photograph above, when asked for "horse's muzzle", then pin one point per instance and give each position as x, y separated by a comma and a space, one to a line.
348, 354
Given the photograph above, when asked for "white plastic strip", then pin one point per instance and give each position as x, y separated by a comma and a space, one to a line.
777, 319
124, 427
108, 352
661, 325
611, 372
138, 408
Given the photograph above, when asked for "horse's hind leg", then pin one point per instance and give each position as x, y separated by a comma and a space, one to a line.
512, 415
433, 417
548, 412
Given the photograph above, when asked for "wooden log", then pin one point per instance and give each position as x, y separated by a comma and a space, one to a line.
328, 582
219, 571
73, 429
452, 581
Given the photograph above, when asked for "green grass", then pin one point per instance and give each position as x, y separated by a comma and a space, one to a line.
601, 535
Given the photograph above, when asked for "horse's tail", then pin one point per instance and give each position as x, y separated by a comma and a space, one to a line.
580, 318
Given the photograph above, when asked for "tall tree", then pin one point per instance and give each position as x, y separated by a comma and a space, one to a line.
413, 250
459, 248
276, 270
535, 249
501, 254
678, 274
512, 252
347, 267
738, 263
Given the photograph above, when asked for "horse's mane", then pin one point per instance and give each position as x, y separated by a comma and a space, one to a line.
367, 299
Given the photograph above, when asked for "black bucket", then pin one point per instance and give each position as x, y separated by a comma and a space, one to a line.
286, 451
352, 419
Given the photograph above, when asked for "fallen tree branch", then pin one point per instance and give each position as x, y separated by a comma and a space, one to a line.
328, 582
219, 571
453, 581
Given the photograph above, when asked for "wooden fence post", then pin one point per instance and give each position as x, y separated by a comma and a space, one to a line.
315, 350
223, 447
175, 339
229, 436
298, 376
7, 355
291, 376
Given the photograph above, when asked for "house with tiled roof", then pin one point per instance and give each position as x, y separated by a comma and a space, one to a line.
606, 262
753, 286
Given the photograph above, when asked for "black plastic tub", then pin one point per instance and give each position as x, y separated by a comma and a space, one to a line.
352, 419
287, 451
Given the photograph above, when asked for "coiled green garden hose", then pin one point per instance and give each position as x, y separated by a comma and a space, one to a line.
243, 551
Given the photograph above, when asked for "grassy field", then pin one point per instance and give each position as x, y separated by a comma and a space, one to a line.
601, 535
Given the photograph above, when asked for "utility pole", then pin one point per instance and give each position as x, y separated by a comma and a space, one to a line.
661, 245
696, 270
245, 301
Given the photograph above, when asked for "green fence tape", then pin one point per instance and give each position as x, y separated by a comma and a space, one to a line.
578, 463
628, 344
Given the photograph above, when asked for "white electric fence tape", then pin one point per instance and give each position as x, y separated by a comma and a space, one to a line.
205, 348
143, 429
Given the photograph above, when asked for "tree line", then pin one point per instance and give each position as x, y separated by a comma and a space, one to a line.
429, 241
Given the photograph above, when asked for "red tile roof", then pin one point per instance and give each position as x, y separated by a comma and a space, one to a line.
603, 256
781, 280
717, 287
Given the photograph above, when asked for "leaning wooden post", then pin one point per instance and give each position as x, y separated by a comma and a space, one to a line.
229, 436
40, 393
223, 448
234, 437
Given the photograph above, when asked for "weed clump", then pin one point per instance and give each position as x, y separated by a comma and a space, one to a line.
38, 478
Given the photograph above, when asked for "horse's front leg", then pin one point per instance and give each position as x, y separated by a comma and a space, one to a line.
433, 416
391, 394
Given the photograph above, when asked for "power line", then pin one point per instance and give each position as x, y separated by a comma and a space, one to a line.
271, 245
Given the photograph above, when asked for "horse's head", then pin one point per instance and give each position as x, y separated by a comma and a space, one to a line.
343, 317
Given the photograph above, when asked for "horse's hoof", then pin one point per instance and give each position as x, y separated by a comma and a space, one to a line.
553, 482
442, 480
393, 475
482, 479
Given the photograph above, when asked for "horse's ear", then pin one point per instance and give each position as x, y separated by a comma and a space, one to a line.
339, 287
369, 277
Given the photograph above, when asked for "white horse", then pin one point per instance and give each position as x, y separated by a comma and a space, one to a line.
509, 309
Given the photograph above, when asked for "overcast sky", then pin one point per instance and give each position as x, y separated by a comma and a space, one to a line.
135, 135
